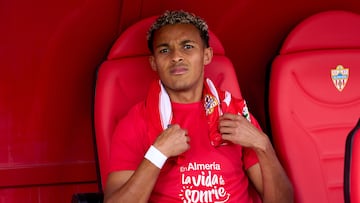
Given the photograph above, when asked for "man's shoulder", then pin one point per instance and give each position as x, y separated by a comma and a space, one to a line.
135, 114
140, 106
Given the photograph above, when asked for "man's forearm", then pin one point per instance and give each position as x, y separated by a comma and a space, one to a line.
139, 186
276, 185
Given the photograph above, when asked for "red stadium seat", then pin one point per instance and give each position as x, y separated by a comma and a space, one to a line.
123, 80
314, 101
352, 166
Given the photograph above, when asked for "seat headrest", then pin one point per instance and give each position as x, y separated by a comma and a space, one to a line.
325, 30
125, 47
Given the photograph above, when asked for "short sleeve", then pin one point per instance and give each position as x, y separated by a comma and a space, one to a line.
129, 142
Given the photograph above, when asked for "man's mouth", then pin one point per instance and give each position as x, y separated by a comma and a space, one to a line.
178, 70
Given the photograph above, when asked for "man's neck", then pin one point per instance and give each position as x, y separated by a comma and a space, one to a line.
189, 96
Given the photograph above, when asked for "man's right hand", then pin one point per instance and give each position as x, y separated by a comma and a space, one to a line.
173, 141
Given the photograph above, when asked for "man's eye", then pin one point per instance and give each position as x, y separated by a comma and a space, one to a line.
164, 50
188, 46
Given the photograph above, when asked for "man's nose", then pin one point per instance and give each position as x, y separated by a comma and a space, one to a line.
177, 56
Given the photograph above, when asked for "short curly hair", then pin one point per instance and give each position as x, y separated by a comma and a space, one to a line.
178, 17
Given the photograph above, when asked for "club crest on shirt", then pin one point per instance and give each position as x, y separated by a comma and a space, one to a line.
245, 112
210, 103
340, 76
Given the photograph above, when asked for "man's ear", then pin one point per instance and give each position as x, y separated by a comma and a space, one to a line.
152, 63
208, 55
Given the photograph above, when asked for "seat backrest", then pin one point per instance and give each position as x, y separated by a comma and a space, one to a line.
123, 80
352, 166
314, 101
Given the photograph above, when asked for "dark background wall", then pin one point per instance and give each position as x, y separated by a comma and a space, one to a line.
49, 53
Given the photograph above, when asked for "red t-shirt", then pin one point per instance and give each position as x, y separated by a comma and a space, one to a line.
204, 174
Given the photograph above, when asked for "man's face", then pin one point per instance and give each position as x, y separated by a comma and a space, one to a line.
179, 57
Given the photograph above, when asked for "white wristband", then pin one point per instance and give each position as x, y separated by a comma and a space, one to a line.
155, 157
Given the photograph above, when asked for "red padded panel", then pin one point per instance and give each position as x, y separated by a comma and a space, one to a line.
124, 78
326, 30
310, 117
132, 41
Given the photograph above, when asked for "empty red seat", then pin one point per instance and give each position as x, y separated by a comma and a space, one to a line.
314, 101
